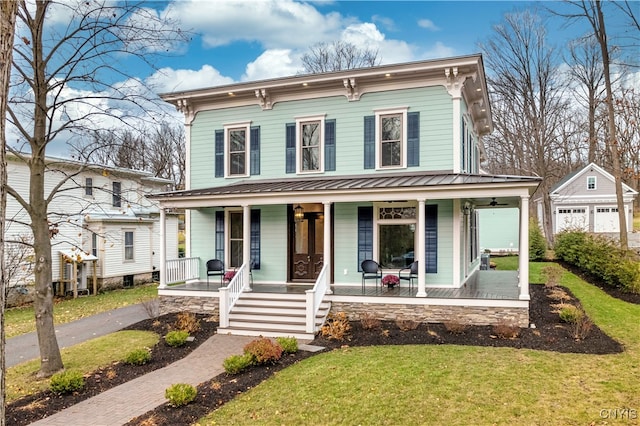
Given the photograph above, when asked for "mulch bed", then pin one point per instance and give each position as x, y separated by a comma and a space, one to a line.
549, 334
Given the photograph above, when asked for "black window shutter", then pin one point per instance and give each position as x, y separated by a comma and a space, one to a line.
370, 142
255, 238
220, 235
291, 148
219, 153
431, 238
365, 234
330, 145
413, 139
254, 158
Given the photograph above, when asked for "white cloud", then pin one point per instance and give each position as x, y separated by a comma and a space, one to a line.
170, 80
273, 23
439, 50
386, 23
428, 24
272, 63
367, 36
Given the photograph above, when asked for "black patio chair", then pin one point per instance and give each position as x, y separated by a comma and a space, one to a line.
409, 273
215, 267
371, 270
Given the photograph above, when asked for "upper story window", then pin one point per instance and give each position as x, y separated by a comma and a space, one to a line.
237, 150
88, 187
591, 182
310, 142
392, 139
116, 194
310, 145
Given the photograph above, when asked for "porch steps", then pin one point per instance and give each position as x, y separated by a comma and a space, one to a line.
272, 315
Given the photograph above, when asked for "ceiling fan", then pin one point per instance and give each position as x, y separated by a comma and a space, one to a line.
494, 203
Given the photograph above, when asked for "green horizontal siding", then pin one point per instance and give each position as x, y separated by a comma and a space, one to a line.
433, 103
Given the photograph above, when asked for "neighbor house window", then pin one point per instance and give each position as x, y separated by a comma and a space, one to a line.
391, 138
237, 149
310, 144
116, 194
88, 187
94, 244
591, 182
128, 245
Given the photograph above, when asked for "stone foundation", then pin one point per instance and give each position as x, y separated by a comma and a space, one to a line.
473, 315
196, 305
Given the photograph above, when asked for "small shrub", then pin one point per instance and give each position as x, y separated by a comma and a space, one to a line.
138, 357
67, 381
336, 327
263, 351
537, 242
369, 321
237, 363
553, 274
558, 294
188, 322
180, 394
570, 314
176, 338
582, 327
455, 327
406, 324
289, 345
151, 307
505, 330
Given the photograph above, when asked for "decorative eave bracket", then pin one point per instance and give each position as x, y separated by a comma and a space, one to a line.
183, 106
453, 82
264, 99
352, 89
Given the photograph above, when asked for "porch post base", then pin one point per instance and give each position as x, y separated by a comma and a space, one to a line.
421, 294
524, 297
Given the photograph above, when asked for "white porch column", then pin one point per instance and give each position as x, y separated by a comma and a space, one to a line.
422, 291
163, 249
246, 244
326, 254
523, 250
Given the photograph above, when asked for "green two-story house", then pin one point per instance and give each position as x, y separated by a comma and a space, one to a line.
293, 183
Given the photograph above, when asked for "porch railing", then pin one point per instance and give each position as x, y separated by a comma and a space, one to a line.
315, 297
183, 269
230, 294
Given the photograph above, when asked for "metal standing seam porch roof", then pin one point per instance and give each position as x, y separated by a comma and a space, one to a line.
290, 186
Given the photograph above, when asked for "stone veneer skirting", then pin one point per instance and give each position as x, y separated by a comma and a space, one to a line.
473, 315
196, 305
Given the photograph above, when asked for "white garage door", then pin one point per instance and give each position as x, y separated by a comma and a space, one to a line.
572, 218
606, 220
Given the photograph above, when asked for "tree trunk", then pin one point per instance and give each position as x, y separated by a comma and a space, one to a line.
8, 11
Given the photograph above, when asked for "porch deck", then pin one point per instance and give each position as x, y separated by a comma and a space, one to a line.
490, 285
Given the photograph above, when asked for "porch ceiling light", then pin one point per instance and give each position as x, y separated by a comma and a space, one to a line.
298, 213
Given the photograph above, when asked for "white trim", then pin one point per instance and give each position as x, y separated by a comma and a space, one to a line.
227, 235
377, 222
300, 121
606, 174
242, 125
124, 245
595, 183
379, 113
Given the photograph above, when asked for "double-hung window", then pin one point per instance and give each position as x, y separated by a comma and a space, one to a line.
391, 138
88, 187
116, 194
310, 141
591, 182
236, 140
128, 245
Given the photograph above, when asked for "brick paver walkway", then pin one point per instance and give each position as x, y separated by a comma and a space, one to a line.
120, 404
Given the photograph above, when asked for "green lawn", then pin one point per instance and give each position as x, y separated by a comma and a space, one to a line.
21, 320
457, 385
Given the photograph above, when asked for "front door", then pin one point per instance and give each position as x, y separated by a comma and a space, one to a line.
307, 247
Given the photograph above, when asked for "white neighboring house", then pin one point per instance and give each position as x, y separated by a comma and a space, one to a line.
102, 218
586, 199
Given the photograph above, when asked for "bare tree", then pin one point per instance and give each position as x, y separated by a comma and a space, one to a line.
8, 13
591, 11
528, 104
336, 56
64, 85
